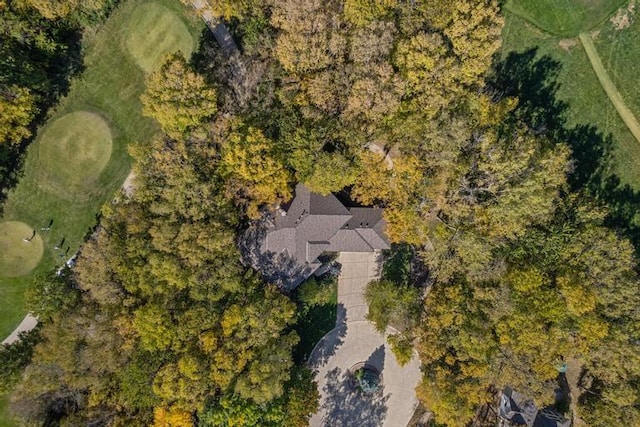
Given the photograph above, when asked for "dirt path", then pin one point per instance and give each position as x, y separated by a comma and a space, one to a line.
608, 86
219, 30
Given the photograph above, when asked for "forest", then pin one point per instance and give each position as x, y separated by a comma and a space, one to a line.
159, 323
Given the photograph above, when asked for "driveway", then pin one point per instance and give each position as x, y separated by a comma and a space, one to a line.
355, 340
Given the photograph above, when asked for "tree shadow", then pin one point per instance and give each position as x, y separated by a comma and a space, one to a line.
376, 359
329, 344
278, 268
346, 406
45, 71
534, 80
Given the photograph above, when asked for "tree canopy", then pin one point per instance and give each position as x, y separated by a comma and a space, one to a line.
389, 103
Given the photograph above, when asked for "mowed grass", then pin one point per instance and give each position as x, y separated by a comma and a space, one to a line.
106, 93
155, 31
4, 417
579, 88
17, 255
619, 50
565, 17
72, 153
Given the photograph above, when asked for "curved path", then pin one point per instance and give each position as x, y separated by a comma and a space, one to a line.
609, 87
355, 340
28, 323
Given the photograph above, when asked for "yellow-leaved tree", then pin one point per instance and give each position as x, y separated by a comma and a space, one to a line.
255, 173
177, 97
16, 112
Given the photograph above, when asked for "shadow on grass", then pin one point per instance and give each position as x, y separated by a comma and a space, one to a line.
534, 80
313, 327
49, 76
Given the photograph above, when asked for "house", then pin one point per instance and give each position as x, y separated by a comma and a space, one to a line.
297, 234
516, 410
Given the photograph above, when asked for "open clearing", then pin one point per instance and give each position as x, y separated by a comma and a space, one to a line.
608, 86
565, 17
578, 86
74, 151
155, 31
71, 149
20, 248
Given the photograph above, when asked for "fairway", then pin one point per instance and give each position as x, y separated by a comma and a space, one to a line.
20, 249
73, 152
612, 92
153, 31
565, 17
587, 102
79, 159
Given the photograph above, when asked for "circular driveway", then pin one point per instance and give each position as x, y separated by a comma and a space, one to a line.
355, 340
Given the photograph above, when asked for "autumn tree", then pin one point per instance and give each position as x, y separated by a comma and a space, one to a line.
177, 97
310, 37
254, 169
361, 12
17, 109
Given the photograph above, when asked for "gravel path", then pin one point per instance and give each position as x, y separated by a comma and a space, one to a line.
355, 340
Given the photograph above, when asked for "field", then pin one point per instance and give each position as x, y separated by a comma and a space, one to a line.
619, 45
564, 17
79, 158
587, 109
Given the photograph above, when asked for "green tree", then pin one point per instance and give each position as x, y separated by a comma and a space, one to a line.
51, 294
331, 172
14, 358
391, 304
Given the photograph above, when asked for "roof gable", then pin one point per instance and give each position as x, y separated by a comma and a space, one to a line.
311, 224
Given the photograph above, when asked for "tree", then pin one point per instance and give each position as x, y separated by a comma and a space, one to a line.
155, 327
391, 304
331, 172
51, 295
475, 35
309, 38
293, 409
14, 358
362, 12
76, 11
17, 109
254, 169
178, 98
172, 417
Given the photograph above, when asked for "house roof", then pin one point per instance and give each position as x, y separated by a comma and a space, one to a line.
516, 409
313, 223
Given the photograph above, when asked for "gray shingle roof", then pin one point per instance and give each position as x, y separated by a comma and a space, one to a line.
312, 224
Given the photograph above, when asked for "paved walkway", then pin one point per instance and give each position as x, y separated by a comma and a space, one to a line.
219, 30
355, 340
28, 323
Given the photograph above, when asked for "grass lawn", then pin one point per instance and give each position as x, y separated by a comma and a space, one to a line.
79, 158
565, 17
22, 247
579, 88
4, 419
619, 49
316, 317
